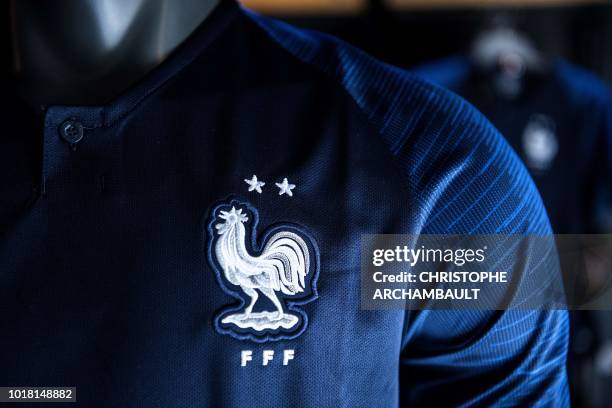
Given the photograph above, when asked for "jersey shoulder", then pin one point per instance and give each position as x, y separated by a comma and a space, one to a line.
460, 171
582, 86
387, 94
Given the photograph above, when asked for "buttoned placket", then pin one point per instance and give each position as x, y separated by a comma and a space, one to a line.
69, 139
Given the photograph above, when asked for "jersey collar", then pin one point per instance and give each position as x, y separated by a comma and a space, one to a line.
193, 47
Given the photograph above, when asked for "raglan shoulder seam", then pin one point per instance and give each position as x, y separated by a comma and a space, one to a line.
400, 107
355, 81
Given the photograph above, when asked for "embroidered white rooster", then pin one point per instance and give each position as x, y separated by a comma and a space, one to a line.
282, 266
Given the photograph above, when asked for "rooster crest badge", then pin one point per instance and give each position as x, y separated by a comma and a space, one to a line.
270, 275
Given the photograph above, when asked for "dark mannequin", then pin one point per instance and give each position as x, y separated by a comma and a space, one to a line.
86, 52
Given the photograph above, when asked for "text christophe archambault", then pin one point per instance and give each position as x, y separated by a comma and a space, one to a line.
413, 269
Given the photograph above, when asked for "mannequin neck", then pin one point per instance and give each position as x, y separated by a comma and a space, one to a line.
86, 52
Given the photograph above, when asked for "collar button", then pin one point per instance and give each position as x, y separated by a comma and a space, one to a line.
71, 131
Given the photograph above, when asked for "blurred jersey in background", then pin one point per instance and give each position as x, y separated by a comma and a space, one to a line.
556, 115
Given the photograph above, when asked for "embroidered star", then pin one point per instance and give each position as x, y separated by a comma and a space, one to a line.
285, 188
254, 184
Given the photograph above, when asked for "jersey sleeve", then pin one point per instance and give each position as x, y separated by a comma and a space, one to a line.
464, 178
602, 168
589, 100
467, 180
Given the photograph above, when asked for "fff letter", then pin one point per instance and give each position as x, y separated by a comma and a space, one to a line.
266, 357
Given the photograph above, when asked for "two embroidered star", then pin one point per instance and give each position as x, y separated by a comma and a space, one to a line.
256, 185
285, 188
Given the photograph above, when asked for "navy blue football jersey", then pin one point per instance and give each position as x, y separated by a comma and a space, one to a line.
141, 241
560, 125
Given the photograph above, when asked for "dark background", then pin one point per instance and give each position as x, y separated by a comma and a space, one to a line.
581, 33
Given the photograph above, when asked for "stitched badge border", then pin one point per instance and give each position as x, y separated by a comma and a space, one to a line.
255, 248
